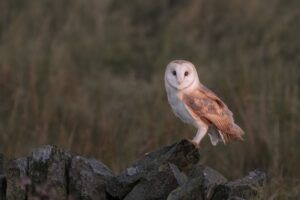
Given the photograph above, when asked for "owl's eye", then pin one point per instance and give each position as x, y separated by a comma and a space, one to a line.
174, 72
186, 73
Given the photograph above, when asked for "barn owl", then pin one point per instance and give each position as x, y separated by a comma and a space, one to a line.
194, 104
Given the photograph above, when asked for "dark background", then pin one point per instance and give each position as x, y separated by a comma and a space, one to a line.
88, 76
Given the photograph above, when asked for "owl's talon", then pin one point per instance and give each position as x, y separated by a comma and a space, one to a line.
197, 145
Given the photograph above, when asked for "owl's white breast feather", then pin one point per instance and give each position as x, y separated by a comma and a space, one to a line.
178, 106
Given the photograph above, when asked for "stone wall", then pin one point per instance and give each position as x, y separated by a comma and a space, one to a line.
172, 172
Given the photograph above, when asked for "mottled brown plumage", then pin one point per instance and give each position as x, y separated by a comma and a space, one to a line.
204, 105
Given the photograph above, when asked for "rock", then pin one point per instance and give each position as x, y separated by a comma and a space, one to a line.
87, 178
155, 186
2, 187
2, 179
172, 173
247, 187
210, 179
192, 190
200, 186
47, 167
16, 179
1, 164
180, 176
182, 154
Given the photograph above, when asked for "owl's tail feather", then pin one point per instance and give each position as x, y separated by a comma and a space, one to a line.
233, 132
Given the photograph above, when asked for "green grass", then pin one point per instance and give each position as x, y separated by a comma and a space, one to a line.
88, 77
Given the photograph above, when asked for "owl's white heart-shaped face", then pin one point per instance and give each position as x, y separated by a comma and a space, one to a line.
181, 74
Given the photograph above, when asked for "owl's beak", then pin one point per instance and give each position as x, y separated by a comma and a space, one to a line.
180, 80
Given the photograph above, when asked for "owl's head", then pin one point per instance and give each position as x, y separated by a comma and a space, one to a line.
181, 74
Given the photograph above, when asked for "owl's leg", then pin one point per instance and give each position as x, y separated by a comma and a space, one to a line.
202, 130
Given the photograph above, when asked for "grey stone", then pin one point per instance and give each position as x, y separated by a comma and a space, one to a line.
87, 178
172, 173
247, 187
209, 177
2, 187
236, 198
182, 154
192, 190
180, 177
47, 167
1, 164
200, 186
2, 179
17, 180
156, 186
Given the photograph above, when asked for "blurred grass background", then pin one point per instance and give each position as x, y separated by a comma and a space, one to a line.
88, 76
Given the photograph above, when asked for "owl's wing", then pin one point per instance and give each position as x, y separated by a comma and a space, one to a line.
204, 105
209, 94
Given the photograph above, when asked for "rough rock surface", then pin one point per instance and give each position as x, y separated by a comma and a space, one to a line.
47, 167
152, 170
172, 172
1, 163
2, 179
201, 184
247, 187
16, 176
2, 187
87, 178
